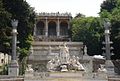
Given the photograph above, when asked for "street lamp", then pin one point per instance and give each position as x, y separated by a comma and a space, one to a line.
13, 67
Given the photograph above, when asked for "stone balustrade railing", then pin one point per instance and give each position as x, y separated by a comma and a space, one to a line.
54, 14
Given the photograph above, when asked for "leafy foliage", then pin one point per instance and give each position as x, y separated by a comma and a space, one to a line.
79, 15
108, 5
111, 10
4, 29
89, 31
4, 70
20, 10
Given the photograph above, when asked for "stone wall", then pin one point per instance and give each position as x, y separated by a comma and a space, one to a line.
4, 58
11, 79
114, 78
87, 62
47, 50
96, 64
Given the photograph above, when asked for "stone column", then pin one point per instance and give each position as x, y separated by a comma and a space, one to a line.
68, 30
34, 33
69, 23
46, 27
107, 26
58, 27
13, 66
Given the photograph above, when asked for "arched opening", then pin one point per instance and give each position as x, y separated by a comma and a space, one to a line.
63, 28
40, 28
52, 29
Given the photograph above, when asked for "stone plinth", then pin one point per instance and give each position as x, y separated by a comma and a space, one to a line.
96, 64
13, 68
109, 67
67, 74
11, 78
87, 62
114, 78
116, 66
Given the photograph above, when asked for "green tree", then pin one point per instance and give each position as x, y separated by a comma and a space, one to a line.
111, 10
4, 29
89, 31
115, 32
108, 5
21, 10
79, 15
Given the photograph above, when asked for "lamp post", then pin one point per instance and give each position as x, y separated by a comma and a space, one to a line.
13, 67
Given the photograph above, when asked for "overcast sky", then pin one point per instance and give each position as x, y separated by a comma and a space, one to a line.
86, 7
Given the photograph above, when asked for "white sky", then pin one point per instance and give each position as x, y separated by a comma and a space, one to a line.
86, 7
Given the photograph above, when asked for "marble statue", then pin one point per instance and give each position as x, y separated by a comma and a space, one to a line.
102, 69
64, 54
63, 62
85, 50
29, 68
51, 65
64, 68
76, 64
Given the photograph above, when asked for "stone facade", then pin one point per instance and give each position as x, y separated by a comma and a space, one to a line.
51, 31
4, 58
52, 27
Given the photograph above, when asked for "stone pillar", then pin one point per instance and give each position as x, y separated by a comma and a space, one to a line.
13, 66
46, 27
58, 27
34, 33
69, 23
68, 30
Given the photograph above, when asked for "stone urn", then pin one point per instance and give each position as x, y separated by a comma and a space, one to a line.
116, 66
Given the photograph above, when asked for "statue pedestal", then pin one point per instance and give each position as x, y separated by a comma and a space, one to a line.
109, 67
13, 68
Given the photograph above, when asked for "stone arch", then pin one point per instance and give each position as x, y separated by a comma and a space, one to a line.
40, 28
52, 28
63, 28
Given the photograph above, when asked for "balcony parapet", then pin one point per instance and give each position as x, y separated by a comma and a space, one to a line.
54, 14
